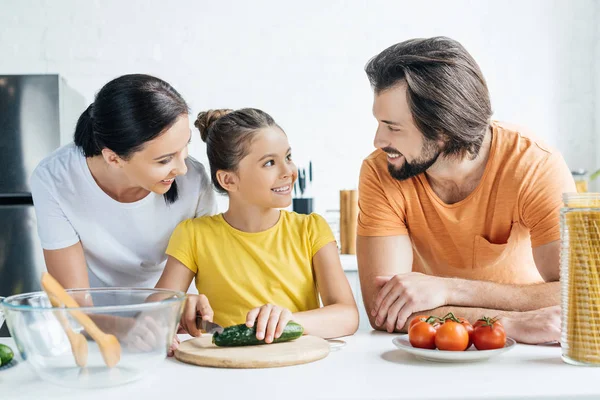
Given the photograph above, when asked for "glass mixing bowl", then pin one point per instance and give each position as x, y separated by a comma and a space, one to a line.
143, 321
1, 312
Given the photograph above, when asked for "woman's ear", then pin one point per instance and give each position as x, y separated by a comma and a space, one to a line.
228, 180
111, 158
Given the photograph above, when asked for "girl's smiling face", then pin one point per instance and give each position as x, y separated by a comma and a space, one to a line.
266, 175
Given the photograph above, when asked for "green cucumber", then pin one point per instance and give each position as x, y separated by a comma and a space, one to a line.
241, 335
6, 354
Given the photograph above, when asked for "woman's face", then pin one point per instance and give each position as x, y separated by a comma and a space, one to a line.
155, 167
267, 174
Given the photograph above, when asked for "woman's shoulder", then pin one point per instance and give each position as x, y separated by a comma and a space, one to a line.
63, 163
196, 173
195, 167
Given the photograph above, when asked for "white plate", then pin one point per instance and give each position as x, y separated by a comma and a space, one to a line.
470, 355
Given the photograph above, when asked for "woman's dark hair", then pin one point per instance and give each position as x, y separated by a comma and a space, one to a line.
126, 113
228, 135
446, 91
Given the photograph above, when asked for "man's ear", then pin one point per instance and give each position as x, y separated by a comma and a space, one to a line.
228, 180
111, 158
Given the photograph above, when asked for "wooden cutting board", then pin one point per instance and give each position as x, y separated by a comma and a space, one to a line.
201, 351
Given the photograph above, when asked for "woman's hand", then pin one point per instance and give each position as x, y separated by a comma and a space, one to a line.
270, 321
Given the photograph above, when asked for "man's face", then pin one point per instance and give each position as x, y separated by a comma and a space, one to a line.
409, 153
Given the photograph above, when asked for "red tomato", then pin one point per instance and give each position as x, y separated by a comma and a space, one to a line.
452, 336
416, 319
485, 321
489, 335
422, 335
469, 329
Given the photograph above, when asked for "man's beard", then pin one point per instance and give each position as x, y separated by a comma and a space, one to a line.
429, 155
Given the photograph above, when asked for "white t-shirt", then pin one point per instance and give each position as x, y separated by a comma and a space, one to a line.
124, 243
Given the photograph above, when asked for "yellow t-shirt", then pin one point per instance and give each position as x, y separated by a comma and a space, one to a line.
239, 271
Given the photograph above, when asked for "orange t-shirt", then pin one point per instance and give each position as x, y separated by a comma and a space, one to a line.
489, 234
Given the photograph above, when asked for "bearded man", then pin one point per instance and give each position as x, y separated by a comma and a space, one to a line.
457, 212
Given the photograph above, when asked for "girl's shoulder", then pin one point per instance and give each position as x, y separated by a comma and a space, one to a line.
306, 221
206, 221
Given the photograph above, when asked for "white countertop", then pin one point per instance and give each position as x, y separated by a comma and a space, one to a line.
369, 367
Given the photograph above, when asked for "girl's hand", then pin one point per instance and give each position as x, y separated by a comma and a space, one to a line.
196, 304
270, 321
174, 346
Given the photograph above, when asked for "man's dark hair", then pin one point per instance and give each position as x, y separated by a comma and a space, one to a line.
446, 91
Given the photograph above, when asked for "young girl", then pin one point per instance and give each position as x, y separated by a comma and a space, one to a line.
257, 264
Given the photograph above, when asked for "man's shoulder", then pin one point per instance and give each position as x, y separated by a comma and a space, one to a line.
377, 159
518, 139
375, 169
375, 166
520, 149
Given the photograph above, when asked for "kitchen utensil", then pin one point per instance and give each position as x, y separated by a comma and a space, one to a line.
302, 181
303, 205
78, 342
348, 220
201, 351
470, 355
109, 345
207, 326
142, 320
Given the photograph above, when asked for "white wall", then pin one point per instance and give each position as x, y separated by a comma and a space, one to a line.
303, 62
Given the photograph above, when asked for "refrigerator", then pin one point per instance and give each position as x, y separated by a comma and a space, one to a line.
38, 113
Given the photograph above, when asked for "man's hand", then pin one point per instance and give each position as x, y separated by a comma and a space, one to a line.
533, 327
401, 295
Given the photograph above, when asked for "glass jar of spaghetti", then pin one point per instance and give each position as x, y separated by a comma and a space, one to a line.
580, 278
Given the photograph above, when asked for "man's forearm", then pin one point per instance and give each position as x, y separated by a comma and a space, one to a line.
491, 295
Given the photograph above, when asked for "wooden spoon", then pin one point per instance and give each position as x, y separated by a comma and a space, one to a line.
79, 346
108, 344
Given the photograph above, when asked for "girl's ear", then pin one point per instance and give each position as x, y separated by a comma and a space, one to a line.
228, 180
111, 158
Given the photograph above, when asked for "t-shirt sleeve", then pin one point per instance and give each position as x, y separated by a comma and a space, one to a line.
207, 200
319, 233
182, 245
376, 216
541, 200
54, 228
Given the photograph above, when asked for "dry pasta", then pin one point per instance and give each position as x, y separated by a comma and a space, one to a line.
580, 278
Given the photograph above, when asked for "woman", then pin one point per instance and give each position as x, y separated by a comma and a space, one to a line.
107, 204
